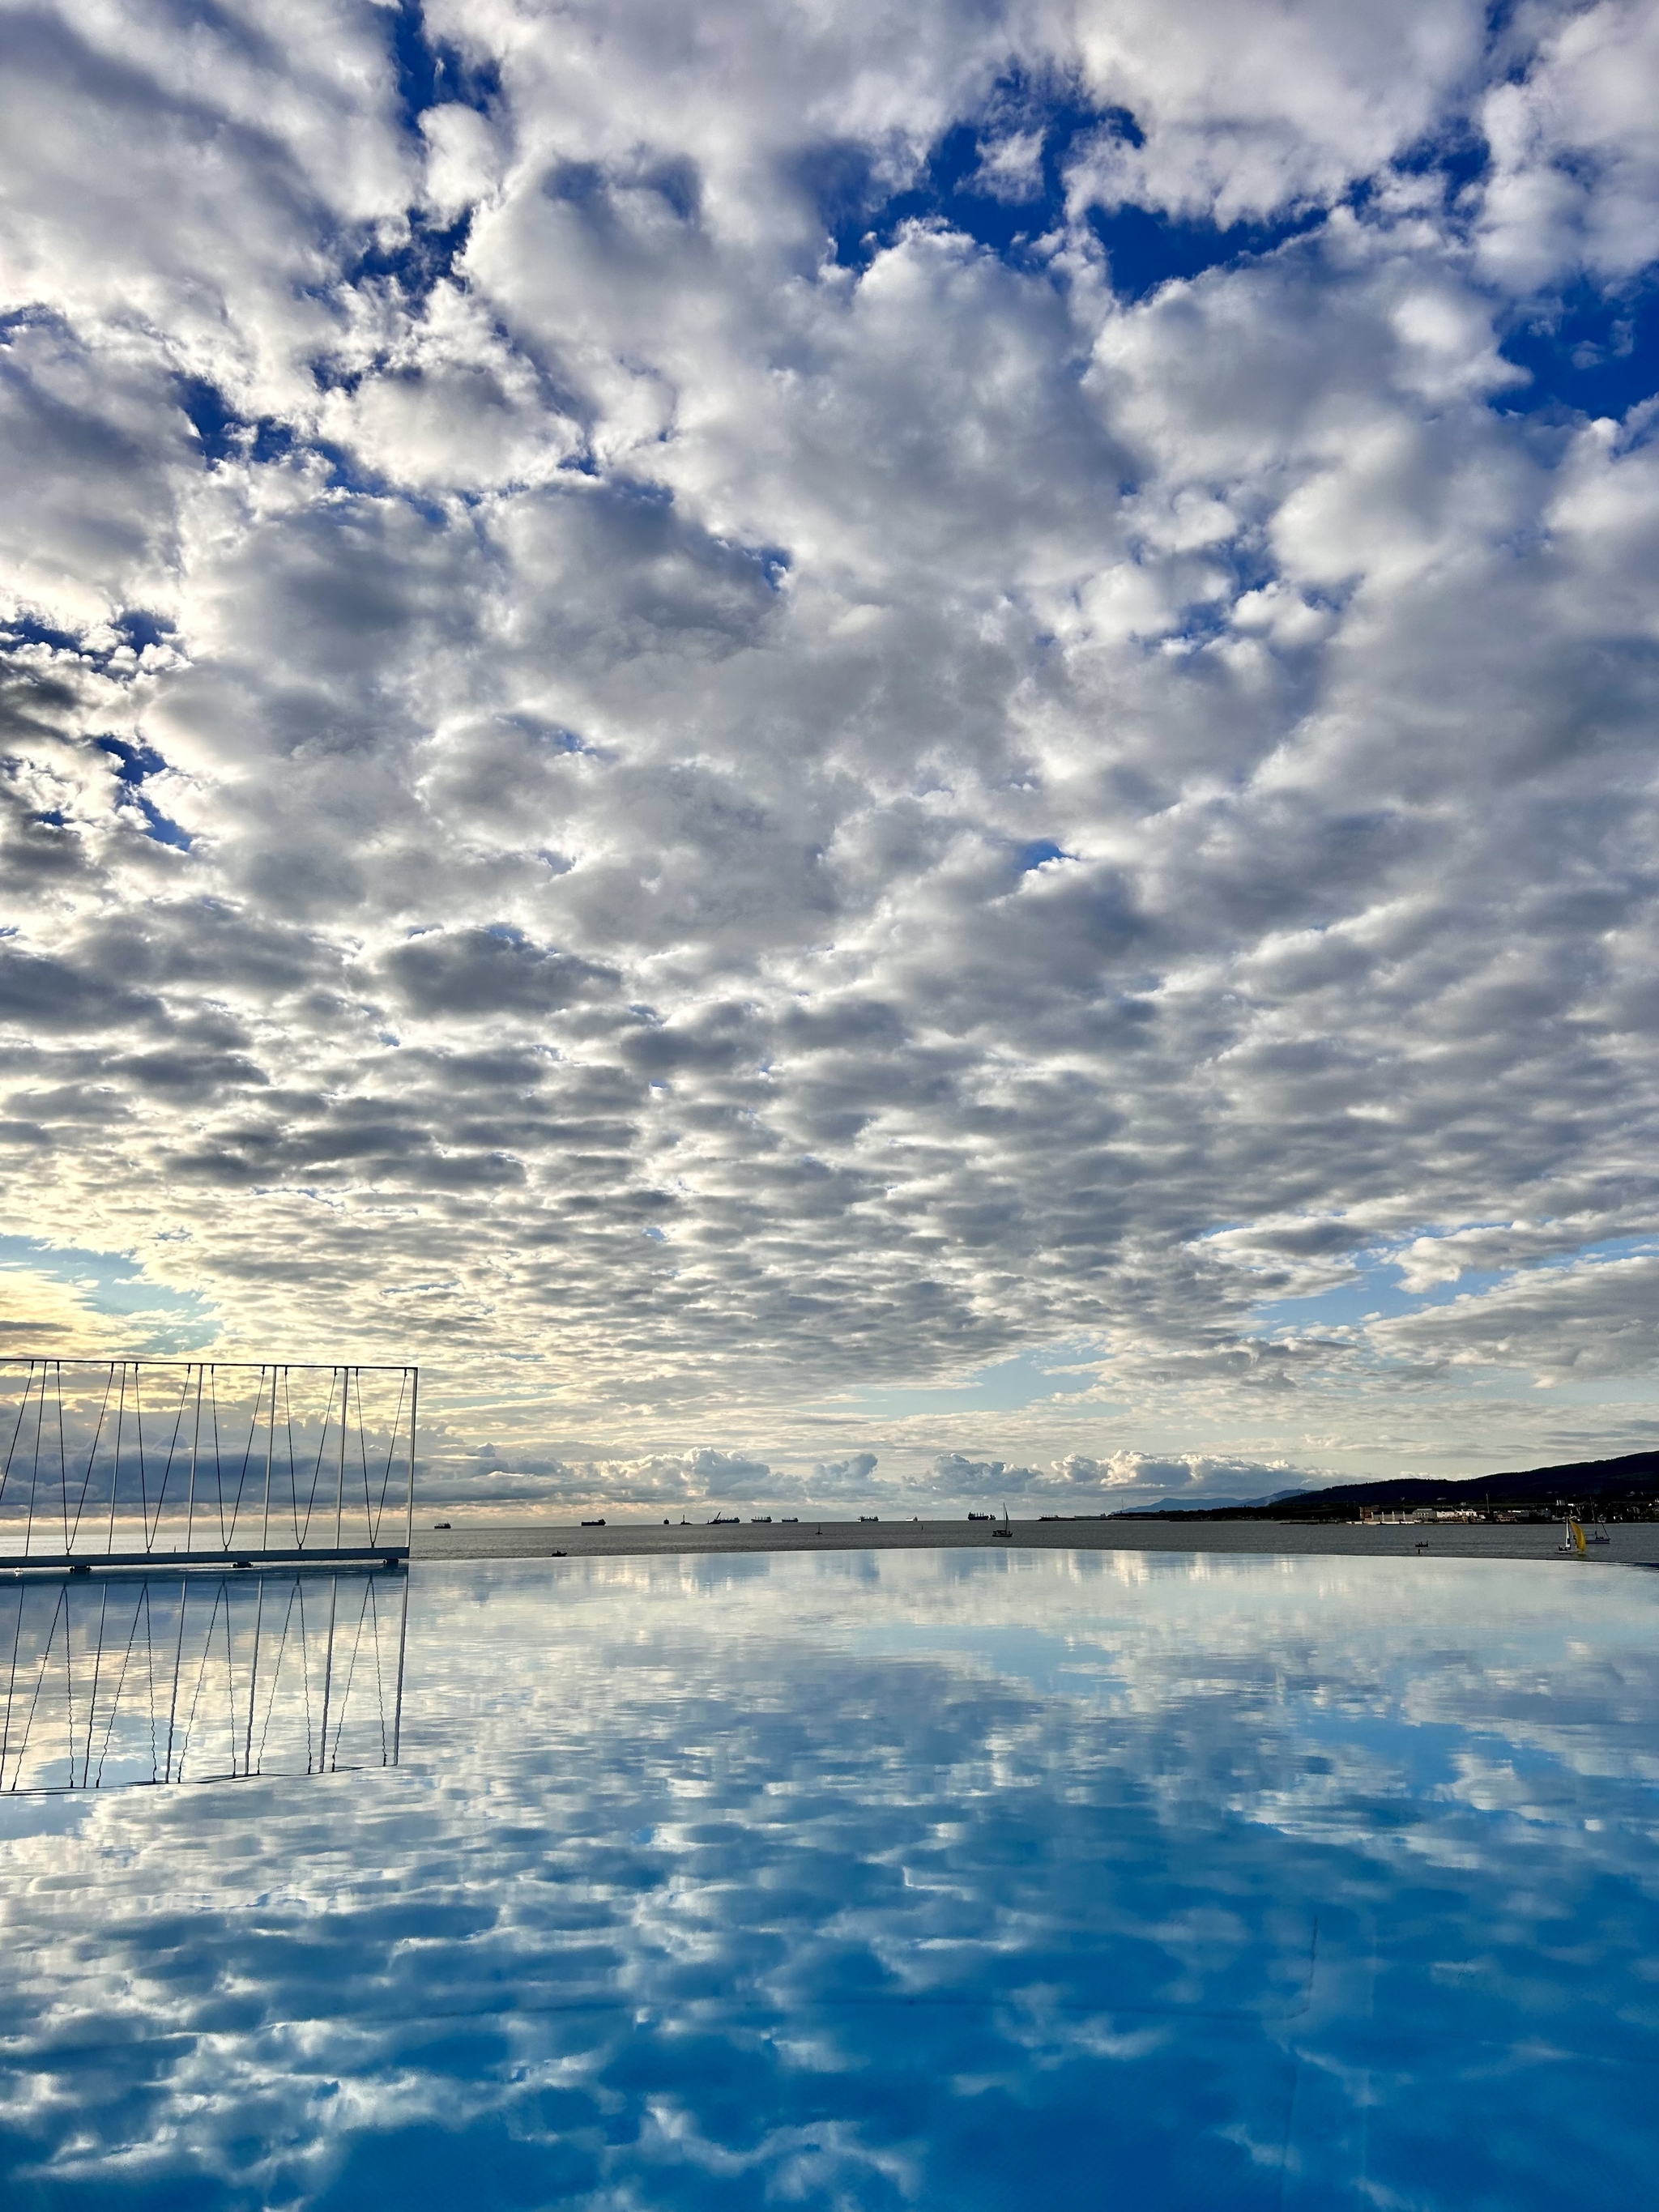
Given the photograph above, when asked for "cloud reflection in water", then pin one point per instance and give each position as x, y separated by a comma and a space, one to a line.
886, 1880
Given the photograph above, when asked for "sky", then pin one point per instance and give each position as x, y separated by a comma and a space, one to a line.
886, 755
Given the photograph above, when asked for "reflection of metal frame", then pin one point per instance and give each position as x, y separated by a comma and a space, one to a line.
80, 1483
200, 1676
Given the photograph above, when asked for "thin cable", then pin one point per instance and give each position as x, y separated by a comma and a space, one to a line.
68, 1663
11, 1680
62, 1455
178, 1661
391, 1454
271, 1702
247, 1453
317, 1472
351, 1669
151, 1533
45, 1656
362, 1459
97, 1668
195, 1455
149, 1654
304, 1668
97, 1436
115, 1472
17, 1429
139, 1424
230, 1684
379, 1672
34, 1478
201, 1676
218, 1470
120, 1685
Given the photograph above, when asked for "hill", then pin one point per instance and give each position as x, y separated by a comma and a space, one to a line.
1613, 1486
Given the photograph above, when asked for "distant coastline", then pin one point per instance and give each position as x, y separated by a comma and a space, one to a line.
1624, 1489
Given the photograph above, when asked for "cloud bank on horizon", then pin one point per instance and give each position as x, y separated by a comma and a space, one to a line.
906, 748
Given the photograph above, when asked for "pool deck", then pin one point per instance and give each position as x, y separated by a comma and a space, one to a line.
1632, 1543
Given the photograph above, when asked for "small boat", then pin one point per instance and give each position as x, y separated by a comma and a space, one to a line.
594, 1524
1004, 1530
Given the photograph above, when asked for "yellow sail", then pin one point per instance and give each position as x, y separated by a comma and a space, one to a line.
1577, 1536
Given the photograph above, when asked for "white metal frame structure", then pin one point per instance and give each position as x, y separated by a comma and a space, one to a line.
120, 1463
182, 1676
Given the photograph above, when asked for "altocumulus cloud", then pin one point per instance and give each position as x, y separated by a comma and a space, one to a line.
723, 731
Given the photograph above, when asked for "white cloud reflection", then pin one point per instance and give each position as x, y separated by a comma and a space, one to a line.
848, 1880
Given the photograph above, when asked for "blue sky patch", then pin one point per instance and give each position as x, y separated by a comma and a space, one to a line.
432, 72
1005, 1386
25, 630
962, 183
212, 417
134, 762
1147, 250
416, 262
1375, 1291
115, 1283
1458, 154
1591, 353
954, 184
161, 828
141, 630
225, 435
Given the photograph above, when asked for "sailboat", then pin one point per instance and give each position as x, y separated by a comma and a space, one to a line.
1579, 1537
1004, 1530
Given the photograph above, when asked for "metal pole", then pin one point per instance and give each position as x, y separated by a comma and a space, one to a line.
97, 1669
397, 1703
178, 1661
195, 1446
328, 1671
68, 1656
339, 1493
115, 1472
34, 1476
271, 1448
254, 1676
414, 1396
11, 1683
62, 1455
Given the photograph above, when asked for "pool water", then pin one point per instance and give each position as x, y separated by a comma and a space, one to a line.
879, 1880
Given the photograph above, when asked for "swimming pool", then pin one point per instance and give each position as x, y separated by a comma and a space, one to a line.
869, 1879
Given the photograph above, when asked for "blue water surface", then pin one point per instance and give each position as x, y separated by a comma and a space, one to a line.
867, 1879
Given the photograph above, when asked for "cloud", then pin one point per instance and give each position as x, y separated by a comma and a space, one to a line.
455, 1475
483, 974
659, 757
1574, 185
1582, 1322
960, 1477
843, 1475
858, 1821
